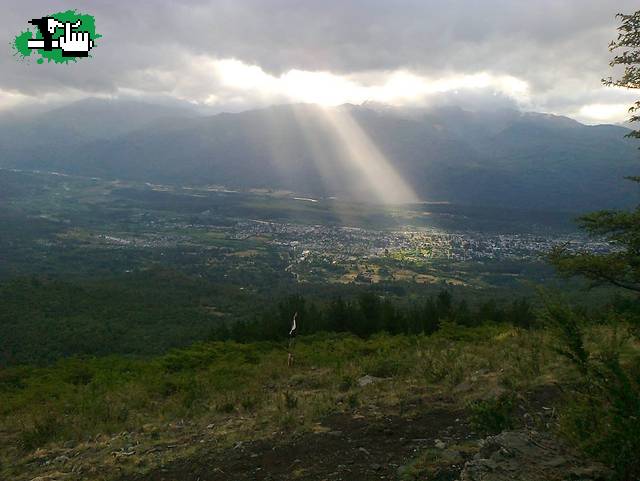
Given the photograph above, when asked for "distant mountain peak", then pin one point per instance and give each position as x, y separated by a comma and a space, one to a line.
445, 152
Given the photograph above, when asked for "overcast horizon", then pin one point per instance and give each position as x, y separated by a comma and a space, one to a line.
231, 56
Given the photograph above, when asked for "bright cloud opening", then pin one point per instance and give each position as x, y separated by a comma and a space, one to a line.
595, 113
328, 89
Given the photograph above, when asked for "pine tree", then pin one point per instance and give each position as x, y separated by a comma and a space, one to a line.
621, 266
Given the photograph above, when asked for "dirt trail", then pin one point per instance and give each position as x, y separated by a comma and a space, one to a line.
346, 447
361, 446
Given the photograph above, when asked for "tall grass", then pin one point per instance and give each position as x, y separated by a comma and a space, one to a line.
76, 398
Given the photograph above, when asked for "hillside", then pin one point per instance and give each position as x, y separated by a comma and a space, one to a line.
448, 154
389, 407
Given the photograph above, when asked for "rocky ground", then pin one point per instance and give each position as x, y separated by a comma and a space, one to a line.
528, 455
422, 435
342, 447
434, 440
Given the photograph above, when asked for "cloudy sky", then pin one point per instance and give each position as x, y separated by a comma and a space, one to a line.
543, 55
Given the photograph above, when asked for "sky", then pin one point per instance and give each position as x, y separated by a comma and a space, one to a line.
233, 55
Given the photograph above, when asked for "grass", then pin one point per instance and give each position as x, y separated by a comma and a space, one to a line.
435, 464
247, 391
491, 416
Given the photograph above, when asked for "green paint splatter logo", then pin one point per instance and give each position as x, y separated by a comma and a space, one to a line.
61, 37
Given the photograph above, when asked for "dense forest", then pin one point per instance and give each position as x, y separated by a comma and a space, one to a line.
43, 319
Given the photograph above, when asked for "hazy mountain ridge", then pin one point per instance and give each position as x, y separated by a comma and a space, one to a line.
447, 153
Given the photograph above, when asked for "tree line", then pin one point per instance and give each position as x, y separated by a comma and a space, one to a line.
369, 313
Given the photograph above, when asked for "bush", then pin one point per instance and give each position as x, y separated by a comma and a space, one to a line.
42, 431
383, 367
442, 362
290, 400
602, 413
226, 407
346, 382
492, 416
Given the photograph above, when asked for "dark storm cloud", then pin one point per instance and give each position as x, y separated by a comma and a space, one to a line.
559, 47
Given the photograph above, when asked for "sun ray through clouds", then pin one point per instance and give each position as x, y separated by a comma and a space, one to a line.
375, 171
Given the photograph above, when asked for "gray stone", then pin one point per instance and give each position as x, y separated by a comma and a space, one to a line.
366, 380
529, 456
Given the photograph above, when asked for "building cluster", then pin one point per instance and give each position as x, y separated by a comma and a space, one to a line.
347, 243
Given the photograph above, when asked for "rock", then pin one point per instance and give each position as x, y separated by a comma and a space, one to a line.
439, 444
464, 386
493, 392
529, 456
366, 380
365, 451
402, 471
52, 476
123, 454
451, 456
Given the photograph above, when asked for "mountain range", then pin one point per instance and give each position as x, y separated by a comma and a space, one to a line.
495, 158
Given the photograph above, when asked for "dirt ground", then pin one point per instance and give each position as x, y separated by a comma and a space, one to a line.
348, 447
343, 447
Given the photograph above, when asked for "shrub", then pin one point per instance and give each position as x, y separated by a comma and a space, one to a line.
249, 403
383, 367
492, 416
290, 400
42, 431
226, 406
602, 413
78, 374
346, 382
442, 363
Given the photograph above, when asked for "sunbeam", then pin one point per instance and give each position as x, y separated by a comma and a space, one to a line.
375, 172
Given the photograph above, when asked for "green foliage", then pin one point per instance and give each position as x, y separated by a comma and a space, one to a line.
569, 327
439, 365
43, 319
492, 416
353, 400
151, 312
77, 398
369, 314
628, 42
226, 407
290, 401
621, 266
39, 432
383, 367
602, 415
346, 382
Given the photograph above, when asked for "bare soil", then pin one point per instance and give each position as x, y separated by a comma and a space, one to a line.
349, 447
